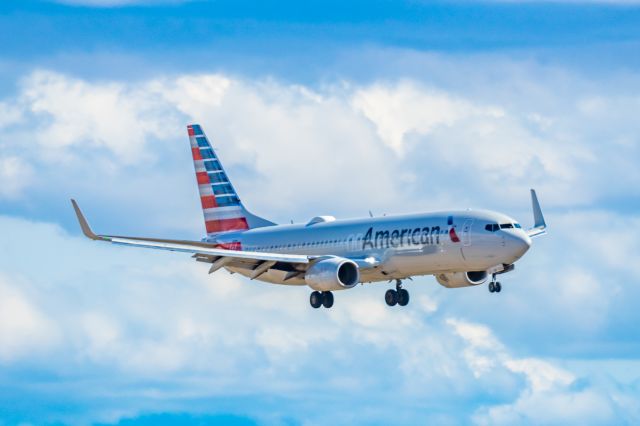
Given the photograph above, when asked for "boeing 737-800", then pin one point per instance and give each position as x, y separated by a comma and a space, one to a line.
460, 248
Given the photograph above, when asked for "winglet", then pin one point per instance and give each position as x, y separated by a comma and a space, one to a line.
539, 225
86, 229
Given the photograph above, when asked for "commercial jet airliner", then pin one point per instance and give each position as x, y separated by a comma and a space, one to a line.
460, 248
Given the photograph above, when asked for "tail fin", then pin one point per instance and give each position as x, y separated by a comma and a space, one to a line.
222, 208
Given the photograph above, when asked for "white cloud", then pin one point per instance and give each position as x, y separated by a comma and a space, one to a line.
393, 137
548, 398
24, 329
129, 318
397, 110
15, 175
78, 114
295, 150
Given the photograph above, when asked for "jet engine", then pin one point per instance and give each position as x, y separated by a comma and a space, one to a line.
462, 279
334, 273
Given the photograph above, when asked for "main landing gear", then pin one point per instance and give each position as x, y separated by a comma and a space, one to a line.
324, 298
398, 296
494, 286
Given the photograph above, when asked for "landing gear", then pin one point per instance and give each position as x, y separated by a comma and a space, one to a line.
403, 297
315, 299
494, 286
398, 296
327, 299
324, 298
391, 297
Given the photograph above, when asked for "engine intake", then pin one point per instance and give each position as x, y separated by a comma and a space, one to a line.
335, 273
462, 279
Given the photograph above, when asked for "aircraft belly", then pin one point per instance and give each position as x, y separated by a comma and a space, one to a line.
423, 261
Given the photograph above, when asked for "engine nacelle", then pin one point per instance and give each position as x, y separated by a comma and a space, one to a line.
462, 279
335, 273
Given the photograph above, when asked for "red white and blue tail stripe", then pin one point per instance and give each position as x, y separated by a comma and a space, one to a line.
223, 211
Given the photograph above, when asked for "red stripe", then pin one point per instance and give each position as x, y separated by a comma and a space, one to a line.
190, 130
222, 225
202, 178
236, 245
208, 202
453, 236
195, 152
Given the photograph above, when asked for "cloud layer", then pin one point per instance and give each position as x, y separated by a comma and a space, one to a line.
161, 326
126, 332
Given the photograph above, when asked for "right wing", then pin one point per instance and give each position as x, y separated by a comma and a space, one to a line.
259, 262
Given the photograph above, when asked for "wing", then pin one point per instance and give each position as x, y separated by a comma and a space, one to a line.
259, 262
539, 226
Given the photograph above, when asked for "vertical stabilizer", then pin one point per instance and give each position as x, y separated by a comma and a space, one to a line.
222, 208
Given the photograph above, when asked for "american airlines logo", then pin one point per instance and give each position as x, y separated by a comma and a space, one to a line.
401, 237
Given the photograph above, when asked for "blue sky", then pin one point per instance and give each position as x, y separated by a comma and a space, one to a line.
317, 108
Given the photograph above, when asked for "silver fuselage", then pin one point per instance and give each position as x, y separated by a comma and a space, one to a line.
398, 246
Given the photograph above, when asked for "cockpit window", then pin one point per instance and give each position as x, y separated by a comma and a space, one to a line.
506, 226
517, 225
492, 227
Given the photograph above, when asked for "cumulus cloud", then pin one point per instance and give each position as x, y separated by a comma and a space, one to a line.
291, 149
118, 117
154, 326
24, 329
549, 397
395, 137
15, 174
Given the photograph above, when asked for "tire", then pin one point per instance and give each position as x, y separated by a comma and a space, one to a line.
403, 297
391, 297
492, 287
498, 287
327, 299
315, 299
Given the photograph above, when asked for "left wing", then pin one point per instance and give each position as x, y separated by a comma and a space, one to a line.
257, 261
539, 226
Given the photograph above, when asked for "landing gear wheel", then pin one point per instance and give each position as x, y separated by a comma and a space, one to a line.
327, 299
391, 297
315, 299
492, 287
498, 287
403, 297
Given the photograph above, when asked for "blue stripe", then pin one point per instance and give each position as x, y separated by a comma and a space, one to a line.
223, 189
218, 177
229, 200
203, 142
212, 166
207, 153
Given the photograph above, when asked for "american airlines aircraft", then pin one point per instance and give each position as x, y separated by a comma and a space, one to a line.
460, 248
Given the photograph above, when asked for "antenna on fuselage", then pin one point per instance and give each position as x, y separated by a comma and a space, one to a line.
370, 214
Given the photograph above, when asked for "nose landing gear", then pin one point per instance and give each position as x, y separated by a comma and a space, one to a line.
399, 296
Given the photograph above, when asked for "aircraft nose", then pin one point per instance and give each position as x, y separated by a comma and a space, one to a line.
519, 244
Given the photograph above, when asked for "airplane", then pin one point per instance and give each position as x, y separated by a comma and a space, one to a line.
460, 248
